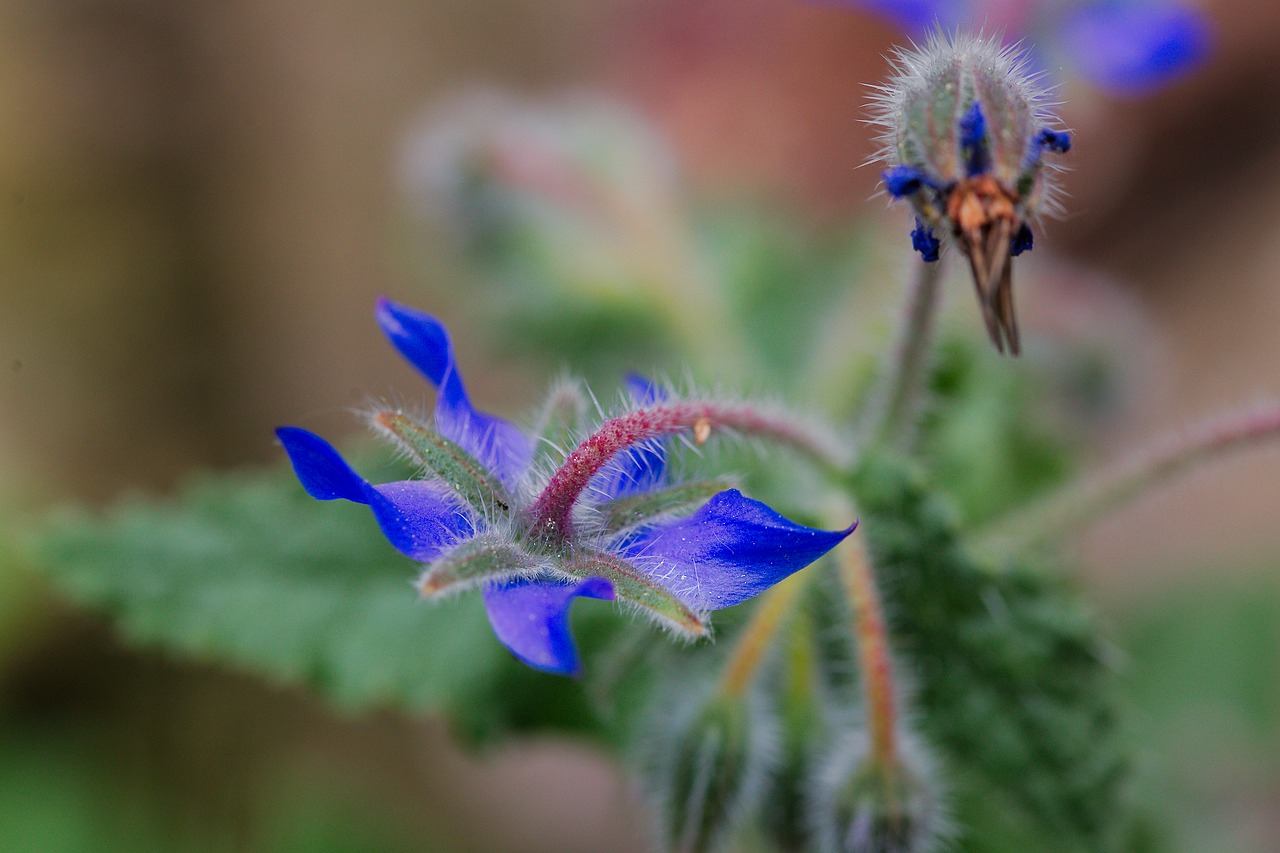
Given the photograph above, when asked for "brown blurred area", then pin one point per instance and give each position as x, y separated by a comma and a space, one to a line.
198, 206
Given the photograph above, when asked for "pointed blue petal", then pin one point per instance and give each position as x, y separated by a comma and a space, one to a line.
730, 550
644, 466
423, 340
531, 618
322, 471
418, 518
1130, 47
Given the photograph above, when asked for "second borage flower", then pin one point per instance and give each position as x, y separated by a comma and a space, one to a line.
606, 523
964, 129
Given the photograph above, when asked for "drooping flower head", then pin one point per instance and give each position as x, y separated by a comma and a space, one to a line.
605, 523
964, 132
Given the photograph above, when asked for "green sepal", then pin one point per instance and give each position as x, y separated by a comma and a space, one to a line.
448, 462
482, 558
708, 766
626, 513
632, 586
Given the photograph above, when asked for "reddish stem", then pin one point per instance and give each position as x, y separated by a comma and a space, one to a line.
874, 662
551, 513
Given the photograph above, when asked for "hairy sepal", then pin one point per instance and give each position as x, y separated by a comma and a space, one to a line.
448, 462
627, 513
634, 587
487, 557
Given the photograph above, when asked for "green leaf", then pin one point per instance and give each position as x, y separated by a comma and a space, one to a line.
250, 571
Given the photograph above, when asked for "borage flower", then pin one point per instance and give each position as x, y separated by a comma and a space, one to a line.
964, 127
605, 524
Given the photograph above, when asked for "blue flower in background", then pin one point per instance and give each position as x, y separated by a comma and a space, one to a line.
1125, 47
473, 518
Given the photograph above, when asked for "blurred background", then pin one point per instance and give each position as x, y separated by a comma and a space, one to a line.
200, 202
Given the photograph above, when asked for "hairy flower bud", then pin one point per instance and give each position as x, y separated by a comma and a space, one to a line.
707, 767
964, 127
859, 805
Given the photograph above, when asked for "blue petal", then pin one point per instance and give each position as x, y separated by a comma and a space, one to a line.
973, 141
323, 472
644, 466
901, 180
531, 618
913, 15
418, 518
730, 550
1129, 47
924, 241
1023, 241
423, 340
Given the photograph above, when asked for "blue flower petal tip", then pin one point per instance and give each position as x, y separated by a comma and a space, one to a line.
924, 241
320, 468
902, 181
1058, 141
531, 618
1023, 241
731, 550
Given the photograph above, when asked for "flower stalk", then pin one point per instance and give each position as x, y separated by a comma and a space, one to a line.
551, 513
874, 662
1081, 503
892, 414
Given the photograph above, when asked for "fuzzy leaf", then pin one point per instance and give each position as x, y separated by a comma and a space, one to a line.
250, 571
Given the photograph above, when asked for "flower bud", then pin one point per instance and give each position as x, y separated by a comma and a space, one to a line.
708, 768
860, 805
964, 126
571, 189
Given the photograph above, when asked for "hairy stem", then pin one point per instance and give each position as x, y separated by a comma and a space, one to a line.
874, 663
551, 514
1077, 505
893, 410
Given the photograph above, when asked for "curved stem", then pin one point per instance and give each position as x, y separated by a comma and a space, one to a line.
1083, 502
551, 514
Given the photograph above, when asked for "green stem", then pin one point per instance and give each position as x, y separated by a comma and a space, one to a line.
1077, 505
893, 410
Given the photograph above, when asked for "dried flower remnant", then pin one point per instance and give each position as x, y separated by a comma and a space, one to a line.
605, 523
964, 127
